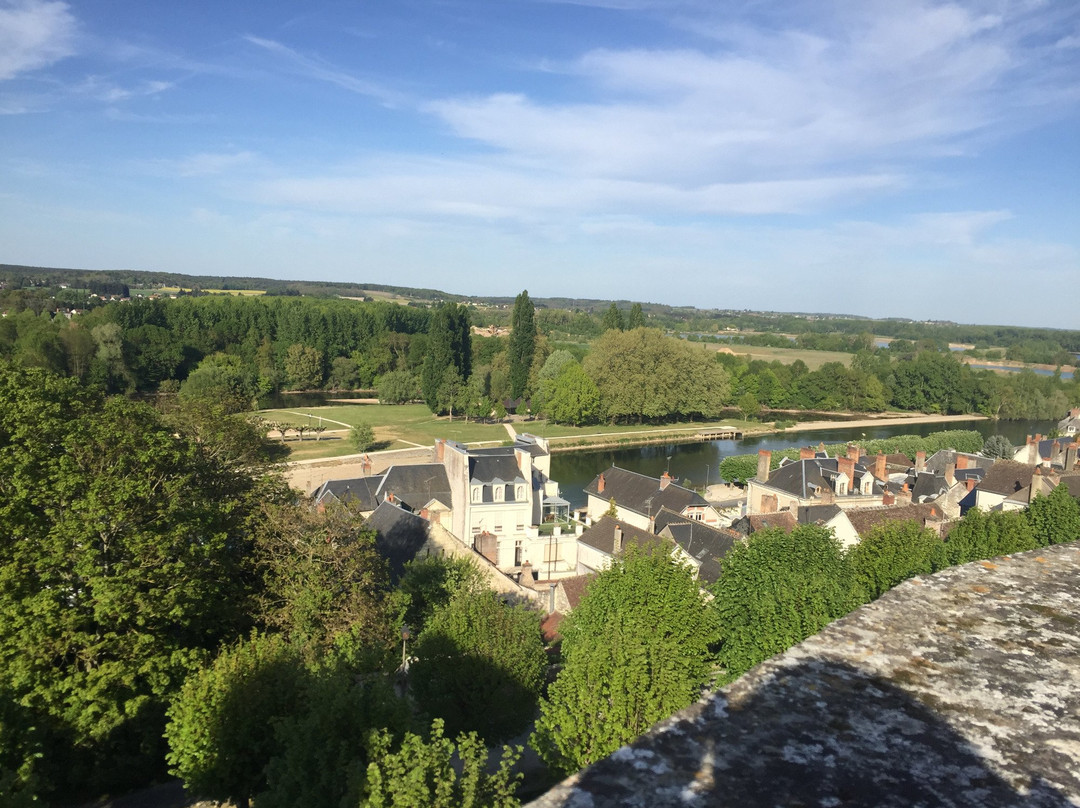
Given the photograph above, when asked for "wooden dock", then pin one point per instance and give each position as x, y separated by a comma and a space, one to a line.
719, 433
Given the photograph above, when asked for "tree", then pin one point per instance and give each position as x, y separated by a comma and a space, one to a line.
635, 650
748, 403
480, 665
303, 367
613, 319
124, 561
776, 589
636, 318
222, 381
1054, 518
321, 577
449, 346
738, 468
574, 398
998, 447
398, 387
451, 392
522, 344
362, 436
429, 583
981, 535
20, 751
890, 553
424, 773
219, 731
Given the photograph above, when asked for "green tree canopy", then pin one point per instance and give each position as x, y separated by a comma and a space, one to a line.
522, 344
449, 346
890, 553
636, 649
574, 398
981, 535
636, 319
777, 589
1054, 517
613, 319
479, 665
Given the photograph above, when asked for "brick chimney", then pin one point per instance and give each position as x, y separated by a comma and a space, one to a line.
888, 499
616, 547
845, 465
961, 461
1032, 450
970, 482
440, 450
600, 483
806, 453
665, 480
764, 463
1070, 455
920, 461
879, 467
904, 497
854, 452
950, 474
526, 574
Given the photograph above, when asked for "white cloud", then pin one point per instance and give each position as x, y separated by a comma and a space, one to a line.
33, 34
203, 164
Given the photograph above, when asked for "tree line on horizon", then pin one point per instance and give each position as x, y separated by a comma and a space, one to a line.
237, 349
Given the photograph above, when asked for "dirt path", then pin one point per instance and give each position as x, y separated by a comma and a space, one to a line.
807, 426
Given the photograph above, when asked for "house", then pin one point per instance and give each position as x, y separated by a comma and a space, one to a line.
400, 535
1070, 424
606, 539
1040, 451
753, 522
507, 508
639, 498
863, 520
1004, 480
813, 479
423, 489
700, 545
1043, 481
832, 517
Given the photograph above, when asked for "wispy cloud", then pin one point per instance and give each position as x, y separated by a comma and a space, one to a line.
34, 34
203, 164
319, 70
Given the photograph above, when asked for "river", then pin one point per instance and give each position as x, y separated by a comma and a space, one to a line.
691, 462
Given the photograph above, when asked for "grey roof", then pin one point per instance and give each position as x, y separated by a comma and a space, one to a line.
805, 478
415, 486
641, 494
940, 459
1007, 477
494, 466
928, 485
399, 535
706, 544
601, 535
816, 514
358, 493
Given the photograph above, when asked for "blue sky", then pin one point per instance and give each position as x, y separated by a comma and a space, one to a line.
878, 158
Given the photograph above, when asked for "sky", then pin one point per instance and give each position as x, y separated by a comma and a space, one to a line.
887, 159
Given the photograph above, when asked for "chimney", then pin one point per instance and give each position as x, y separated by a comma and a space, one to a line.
845, 465
764, 463
853, 452
904, 497
961, 461
1033, 450
526, 574
888, 499
600, 484
665, 480
1070, 455
616, 547
970, 481
440, 450
950, 474
821, 446
551, 598
879, 466
1055, 450
806, 453
920, 461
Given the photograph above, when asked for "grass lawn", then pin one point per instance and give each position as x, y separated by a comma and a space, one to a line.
409, 425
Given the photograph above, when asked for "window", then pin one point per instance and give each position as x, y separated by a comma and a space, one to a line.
475, 529
521, 527
499, 491
552, 552
497, 528
520, 495
477, 493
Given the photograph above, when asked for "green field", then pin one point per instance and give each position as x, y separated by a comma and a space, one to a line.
813, 359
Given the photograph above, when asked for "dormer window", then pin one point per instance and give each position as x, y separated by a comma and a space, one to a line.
477, 493
520, 493
499, 493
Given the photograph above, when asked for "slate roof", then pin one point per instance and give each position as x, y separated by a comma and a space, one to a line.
641, 494
928, 485
358, 493
415, 486
940, 459
399, 535
865, 519
752, 523
601, 535
706, 544
574, 588
498, 465
1007, 477
816, 514
804, 478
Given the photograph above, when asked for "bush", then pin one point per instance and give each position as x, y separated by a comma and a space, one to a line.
891, 553
362, 437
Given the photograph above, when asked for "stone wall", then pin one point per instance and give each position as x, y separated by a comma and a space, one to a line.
959, 689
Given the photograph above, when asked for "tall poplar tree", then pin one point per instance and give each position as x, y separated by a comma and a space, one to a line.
449, 345
522, 343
